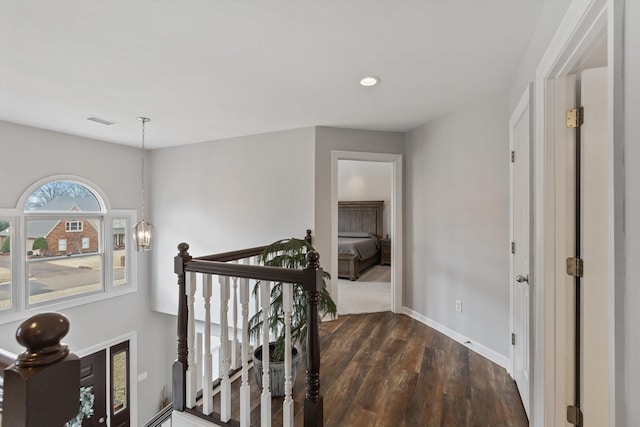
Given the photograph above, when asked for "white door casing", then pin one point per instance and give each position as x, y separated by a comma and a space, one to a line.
520, 137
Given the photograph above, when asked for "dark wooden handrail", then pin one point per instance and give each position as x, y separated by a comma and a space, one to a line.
234, 255
242, 253
312, 282
258, 272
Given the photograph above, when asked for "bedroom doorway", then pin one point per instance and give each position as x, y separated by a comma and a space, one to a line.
364, 243
376, 179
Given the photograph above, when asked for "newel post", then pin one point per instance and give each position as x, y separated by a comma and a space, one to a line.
42, 387
179, 371
312, 284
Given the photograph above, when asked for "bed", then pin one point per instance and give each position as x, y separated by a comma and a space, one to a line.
359, 233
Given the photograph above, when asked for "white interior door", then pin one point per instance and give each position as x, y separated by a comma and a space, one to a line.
595, 249
520, 136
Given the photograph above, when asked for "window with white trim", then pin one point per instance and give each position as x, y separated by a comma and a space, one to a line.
64, 249
74, 225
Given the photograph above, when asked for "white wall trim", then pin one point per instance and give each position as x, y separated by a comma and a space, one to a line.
395, 224
482, 350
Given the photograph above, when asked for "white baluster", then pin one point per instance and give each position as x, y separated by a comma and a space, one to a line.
199, 364
192, 370
235, 362
207, 377
245, 390
225, 384
265, 401
287, 405
257, 302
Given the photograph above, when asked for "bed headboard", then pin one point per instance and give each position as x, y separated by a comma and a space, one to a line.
361, 216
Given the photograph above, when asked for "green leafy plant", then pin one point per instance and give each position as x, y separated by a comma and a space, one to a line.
6, 245
289, 253
40, 243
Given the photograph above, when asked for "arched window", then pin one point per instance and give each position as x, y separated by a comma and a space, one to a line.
62, 195
72, 248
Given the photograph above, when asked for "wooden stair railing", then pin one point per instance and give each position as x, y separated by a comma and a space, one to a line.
42, 385
226, 266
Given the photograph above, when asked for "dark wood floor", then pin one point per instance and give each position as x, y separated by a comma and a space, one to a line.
384, 369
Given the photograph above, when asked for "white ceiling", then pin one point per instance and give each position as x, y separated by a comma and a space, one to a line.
210, 69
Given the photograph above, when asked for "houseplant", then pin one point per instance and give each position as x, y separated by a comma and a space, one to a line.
286, 253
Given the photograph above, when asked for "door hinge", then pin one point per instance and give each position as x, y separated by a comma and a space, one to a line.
575, 117
575, 267
574, 415
513, 156
513, 247
513, 339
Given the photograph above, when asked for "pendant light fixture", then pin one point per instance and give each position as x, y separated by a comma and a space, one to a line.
143, 231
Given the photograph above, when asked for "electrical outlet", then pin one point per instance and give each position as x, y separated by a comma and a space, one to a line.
459, 306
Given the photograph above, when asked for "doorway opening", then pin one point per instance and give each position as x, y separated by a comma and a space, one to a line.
364, 192
394, 243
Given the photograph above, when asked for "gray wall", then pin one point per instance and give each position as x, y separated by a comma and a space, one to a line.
457, 221
550, 17
30, 154
230, 194
632, 211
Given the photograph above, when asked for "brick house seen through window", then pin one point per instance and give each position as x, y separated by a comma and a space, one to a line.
83, 239
68, 236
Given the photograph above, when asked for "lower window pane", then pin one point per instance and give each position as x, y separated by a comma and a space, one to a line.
62, 277
119, 251
5, 264
119, 362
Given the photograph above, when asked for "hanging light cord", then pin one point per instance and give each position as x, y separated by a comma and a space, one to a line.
142, 173
144, 120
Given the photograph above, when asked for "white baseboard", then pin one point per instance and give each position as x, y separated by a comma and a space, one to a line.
490, 354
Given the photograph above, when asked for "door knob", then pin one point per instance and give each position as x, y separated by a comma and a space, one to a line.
522, 279
101, 420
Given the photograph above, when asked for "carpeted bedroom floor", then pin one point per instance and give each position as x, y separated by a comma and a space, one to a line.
371, 293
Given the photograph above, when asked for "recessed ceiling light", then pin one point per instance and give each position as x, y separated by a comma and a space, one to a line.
99, 120
370, 81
